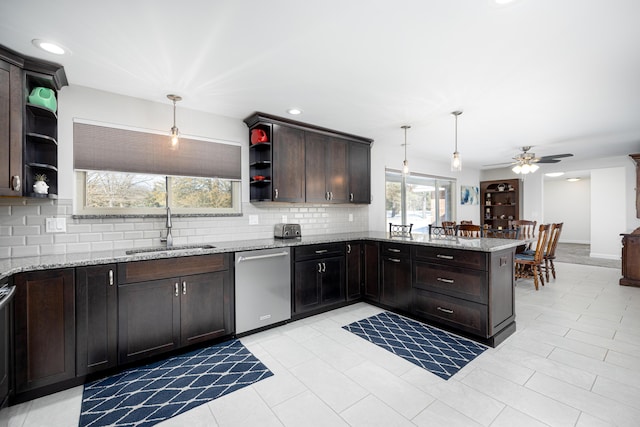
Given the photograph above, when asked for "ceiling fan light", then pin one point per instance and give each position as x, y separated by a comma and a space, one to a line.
526, 168
517, 169
534, 167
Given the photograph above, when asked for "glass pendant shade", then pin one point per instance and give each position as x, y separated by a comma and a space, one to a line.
456, 161
405, 162
175, 139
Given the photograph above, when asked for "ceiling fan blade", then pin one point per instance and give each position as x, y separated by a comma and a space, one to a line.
549, 160
501, 164
556, 156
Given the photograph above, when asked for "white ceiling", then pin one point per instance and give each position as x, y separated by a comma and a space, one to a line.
560, 75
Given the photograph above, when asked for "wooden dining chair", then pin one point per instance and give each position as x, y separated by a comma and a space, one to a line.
400, 229
527, 228
466, 222
500, 233
469, 230
530, 266
449, 227
550, 253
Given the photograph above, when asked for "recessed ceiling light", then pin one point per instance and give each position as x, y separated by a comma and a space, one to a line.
554, 174
294, 111
49, 46
573, 179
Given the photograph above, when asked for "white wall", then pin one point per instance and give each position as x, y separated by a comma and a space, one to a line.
569, 203
608, 211
389, 154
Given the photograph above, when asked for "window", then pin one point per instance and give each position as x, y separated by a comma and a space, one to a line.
138, 174
427, 200
103, 192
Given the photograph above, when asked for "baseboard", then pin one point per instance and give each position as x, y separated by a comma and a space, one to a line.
605, 256
577, 242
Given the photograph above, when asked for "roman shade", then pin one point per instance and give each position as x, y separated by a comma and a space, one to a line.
104, 148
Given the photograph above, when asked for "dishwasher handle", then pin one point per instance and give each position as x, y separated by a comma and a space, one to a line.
254, 257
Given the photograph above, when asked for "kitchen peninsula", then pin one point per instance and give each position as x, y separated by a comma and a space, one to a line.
460, 284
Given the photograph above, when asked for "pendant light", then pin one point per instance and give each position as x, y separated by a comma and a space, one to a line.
405, 163
175, 141
456, 161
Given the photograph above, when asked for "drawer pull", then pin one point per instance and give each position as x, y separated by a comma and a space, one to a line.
441, 279
393, 250
348, 248
321, 251
444, 256
393, 259
445, 310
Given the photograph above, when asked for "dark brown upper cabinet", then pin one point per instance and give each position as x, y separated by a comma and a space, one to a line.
291, 161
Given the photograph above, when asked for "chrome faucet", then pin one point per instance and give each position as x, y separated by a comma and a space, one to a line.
169, 236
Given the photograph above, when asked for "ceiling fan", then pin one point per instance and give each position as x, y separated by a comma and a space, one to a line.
525, 162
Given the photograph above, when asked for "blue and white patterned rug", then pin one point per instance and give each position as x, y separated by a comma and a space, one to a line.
435, 350
150, 394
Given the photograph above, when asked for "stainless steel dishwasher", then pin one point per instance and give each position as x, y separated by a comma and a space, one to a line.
263, 288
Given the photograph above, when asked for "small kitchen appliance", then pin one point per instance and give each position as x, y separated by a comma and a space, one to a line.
287, 231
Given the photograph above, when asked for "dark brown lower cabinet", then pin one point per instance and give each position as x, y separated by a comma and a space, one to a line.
96, 318
371, 271
149, 318
319, 276
354, 270
203, 311
395, 289
156, 316
45, 336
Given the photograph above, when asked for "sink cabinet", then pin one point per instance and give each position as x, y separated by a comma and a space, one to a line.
96, 318
319, 276
45, 334
171, 303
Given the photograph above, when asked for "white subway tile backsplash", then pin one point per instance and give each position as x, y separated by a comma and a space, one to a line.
101, 228
57, 249
20, 251
42, 239
85, 234
78, 247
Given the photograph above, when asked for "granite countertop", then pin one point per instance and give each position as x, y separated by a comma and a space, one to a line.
10, 266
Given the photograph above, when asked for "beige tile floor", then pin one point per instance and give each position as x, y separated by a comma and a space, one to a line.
574, 361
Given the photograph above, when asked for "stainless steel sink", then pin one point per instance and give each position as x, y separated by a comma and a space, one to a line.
164, 248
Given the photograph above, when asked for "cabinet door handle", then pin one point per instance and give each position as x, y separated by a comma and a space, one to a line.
110, 277
276, 193
393, 259
440, 279
324, 267
445, 310
184, 287
16, 183
176, 290
330, 195
393, 250
326, 195
444, 256
348, 248
321, 251
351, 197
319, 267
